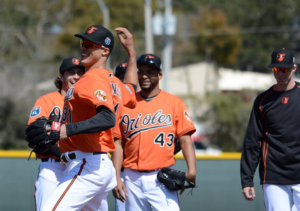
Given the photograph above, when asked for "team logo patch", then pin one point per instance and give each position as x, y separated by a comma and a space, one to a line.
35, 111
91, 29
107, 40
69, 94
128, 88
148, 57
75, 61
187, 116
294, 60
101, 95
280, 57
285, 100
123, 65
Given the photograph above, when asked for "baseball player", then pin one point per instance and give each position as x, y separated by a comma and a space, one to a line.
88, 118
50, 105
148, 133
272, 139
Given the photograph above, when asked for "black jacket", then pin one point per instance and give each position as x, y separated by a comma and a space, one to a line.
273, 139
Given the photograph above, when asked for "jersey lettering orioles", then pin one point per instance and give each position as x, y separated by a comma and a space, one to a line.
158, 120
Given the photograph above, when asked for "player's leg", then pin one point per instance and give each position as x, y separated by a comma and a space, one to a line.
50, 173
120, 206
296, 197
136, 199
85, 179
157, 194
277, 197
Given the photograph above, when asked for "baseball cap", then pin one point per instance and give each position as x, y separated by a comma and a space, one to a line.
150, 59
282, 58
69, 63
99, 35
122, 67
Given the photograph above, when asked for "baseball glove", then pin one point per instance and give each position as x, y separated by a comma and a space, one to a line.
37, 135
174, 180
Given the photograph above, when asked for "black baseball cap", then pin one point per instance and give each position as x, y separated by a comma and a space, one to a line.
150, 59
121, 68
69, 63
282, 58
99, 35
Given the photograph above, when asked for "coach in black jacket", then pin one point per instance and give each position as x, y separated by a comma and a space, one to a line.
273, 139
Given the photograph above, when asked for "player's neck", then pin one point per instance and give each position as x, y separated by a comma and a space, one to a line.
150, 93
63, 93
101, 64
285, 87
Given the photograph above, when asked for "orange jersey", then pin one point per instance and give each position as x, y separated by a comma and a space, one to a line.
47, 105
81, 102
123, 95
150, 129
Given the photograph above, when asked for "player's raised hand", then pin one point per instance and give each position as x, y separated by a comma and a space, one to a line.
118, 191
247, 191
125, 38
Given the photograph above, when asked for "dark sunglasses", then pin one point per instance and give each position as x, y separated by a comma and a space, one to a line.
89, 44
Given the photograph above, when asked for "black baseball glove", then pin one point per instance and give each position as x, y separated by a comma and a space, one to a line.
174, 180
37, 137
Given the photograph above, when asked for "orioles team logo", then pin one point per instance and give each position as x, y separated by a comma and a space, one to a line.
123, 65
280, 57
101, 95
75, 61
148, 57
133, 126
285, 100
187, 116
91, 29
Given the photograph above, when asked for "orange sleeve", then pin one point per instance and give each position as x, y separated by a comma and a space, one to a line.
128, 95
40, 108
183, 121
97, 93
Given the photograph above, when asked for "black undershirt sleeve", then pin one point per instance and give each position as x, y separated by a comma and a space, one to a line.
134, 87
103, 120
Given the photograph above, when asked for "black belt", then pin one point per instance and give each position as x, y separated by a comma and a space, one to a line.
72, 156
47, 159
146, 171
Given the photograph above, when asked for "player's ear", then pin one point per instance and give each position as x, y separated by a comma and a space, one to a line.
105, 52
160, 75
60, 76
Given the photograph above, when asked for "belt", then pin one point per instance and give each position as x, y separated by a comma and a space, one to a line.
72, 156
146, 171
47, 159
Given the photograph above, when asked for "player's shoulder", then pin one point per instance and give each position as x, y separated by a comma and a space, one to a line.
98, 74
50, 96
170, 97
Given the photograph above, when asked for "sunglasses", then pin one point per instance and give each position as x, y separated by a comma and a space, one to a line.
89, 44
284, 70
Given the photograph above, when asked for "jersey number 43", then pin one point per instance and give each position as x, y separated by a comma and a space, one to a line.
161, 140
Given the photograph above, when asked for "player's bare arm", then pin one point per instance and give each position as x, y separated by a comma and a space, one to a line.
127, 41
249, 193
189, 156
117, 159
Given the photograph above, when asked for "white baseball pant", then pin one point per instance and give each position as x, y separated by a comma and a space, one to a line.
145, 192
282, 197
51, 171
87, 182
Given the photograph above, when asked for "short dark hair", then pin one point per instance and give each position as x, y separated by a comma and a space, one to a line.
58, 83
